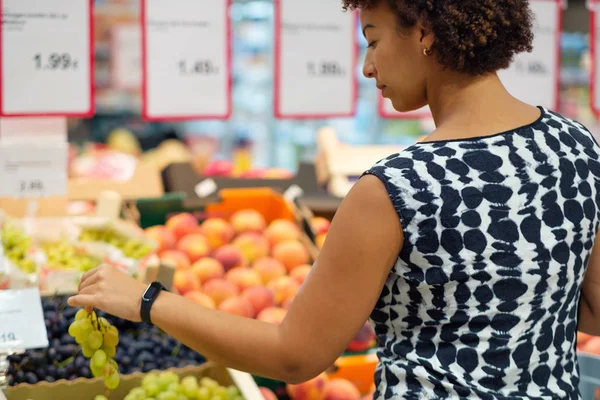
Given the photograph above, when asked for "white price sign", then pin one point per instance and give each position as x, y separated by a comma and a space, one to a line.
535, 77
186, 59
532, 77
33, 169
46, 58
126, 56
316, 56
22, 323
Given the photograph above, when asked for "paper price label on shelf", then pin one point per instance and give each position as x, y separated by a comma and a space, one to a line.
186, 59
534, 77
22, 323
33, 169
316, 56
45, 58
126, 56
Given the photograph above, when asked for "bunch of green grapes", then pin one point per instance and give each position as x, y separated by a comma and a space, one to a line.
167, 386
63, 255
16, 245
98, 340
132, 248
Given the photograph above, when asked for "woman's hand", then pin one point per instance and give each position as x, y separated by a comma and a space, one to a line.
109, 289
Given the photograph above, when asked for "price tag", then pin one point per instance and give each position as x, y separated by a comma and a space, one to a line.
535, 77
126, 56
316, 56
33, 169
45, 58
22, 323
186, 60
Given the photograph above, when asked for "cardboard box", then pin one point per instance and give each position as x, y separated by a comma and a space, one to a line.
87, 389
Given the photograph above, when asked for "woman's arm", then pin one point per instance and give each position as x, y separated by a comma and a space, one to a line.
332, 305
589, 302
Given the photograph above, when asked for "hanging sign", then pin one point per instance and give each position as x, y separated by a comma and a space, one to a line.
186, 59
46, 58
316, 55
532, 77
126, 56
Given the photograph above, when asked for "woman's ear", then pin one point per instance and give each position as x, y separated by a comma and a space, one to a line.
426, 37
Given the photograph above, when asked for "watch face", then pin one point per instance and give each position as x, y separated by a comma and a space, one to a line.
149, 293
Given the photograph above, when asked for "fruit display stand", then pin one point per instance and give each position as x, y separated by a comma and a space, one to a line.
338, 164
87, 389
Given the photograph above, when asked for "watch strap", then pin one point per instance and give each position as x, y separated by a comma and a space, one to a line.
148, 301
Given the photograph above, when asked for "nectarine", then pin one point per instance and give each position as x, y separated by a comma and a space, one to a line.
260, 297
230, 257
312, 389
248, 220
267, 393
291, 253
220, 290
320, 225
237, 306
320, 240
272, 315
200, 298
164, 237
284, 288
218, 232
269, 268
341, 389
281, 230
300, 273
185, 281
176, 258
207, 268
182, 224
252, 245
195, 246
243, 277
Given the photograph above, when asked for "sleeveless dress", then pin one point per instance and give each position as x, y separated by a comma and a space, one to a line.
482, 302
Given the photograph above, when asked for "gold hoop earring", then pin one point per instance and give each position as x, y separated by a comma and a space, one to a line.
427, 52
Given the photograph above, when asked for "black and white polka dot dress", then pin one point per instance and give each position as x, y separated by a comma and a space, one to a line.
482, 301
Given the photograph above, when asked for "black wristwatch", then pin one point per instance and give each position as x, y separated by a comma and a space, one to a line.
148, 298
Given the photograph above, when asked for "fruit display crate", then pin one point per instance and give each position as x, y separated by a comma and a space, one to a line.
87, 389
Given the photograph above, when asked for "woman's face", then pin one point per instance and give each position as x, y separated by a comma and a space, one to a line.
395, 58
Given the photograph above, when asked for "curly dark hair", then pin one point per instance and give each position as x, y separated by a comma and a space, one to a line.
471, 36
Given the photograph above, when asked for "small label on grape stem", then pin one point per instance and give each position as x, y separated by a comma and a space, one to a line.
22, 324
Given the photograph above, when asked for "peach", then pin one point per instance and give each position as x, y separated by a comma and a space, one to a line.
243, 277
284, 288
220, 290
218, 232
272, 315
230, 257
260, 297
291, 253
182, 224
195, 246
341, 389
592, 346
164, 237
252, 245
207, 268
269, 268
312, 389
320, 240
319, 225
582, 338
185, 281
176, 258
237, 306
267, 393
200, 298
281, 230
300, 273
248, 221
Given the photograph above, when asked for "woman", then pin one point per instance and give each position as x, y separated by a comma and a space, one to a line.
468, 250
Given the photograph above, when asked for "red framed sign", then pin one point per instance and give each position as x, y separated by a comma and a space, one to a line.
186, 59
45, 69
126, 56
532, 77
316, 58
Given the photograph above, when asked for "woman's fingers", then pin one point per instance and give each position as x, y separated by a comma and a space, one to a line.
82, 300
